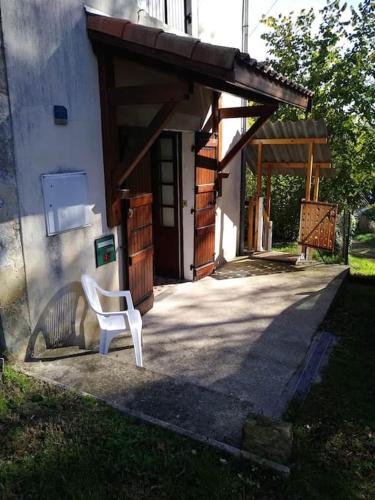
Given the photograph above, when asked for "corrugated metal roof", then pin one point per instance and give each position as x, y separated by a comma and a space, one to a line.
295, 153
227, 63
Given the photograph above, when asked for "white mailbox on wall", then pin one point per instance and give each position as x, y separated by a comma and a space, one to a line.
65, 201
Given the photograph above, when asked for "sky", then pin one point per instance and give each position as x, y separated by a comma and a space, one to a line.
257, 8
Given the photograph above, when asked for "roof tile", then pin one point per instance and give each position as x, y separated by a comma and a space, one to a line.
143, 35
188, 47
109, 25
183, 46
209, 54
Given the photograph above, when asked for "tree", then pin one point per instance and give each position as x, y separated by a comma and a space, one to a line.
337, 62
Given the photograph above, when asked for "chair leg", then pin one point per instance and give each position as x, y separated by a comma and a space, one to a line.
137, 342
103, 348
106, 338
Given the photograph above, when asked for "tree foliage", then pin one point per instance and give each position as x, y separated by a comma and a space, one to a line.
336, 60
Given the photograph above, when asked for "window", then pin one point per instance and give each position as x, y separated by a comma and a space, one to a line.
167, 181
172, 12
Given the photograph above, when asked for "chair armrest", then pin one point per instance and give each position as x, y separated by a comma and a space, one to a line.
122, 293
112, 313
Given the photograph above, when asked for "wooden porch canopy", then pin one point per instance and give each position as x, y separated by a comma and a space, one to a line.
224, 69
285, 148
221, 69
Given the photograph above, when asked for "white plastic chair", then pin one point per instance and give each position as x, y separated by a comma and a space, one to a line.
114, 323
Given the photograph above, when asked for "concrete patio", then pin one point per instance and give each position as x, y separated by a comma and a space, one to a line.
214, 350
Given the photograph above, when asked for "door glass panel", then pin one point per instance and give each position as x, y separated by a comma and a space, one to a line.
166, 171
167, 195
166, 148
168, 216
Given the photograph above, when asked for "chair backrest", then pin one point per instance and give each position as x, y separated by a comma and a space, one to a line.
90, 288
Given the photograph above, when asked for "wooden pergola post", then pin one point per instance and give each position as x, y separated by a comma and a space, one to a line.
310, 162
316, 183
268, 193
250, 224
259, 172
258, 214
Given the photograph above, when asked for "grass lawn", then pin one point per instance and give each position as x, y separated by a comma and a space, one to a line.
368, 238
359, 266
335, 427
285, 247
55, 444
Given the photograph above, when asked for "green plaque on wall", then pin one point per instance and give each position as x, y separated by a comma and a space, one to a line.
105, 250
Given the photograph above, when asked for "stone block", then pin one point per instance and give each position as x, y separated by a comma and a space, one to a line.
267, 438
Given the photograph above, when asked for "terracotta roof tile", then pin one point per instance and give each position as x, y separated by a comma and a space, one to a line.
223, 58
109, 25
214, 55
143, 35
181, 45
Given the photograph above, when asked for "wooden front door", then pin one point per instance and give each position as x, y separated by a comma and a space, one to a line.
139, 250
205, 204
166, 170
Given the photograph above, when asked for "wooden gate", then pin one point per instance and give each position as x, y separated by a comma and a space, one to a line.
317, 225
139, 250
205, 203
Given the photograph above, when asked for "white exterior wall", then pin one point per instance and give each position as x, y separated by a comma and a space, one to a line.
188, 194
220, 23
50, 61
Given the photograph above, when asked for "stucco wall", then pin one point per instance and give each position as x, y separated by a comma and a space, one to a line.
50, 61
188, 193
14, 315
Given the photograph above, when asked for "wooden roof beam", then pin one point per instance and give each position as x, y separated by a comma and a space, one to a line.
153, 131
295, 165
245, 139
149, 94
302, 140
245, 111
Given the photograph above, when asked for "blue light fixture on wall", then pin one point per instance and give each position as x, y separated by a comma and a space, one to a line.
60, 115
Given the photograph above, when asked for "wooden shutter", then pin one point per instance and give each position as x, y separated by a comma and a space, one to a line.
139, 250
205, 203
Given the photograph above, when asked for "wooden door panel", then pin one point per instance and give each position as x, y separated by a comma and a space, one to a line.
139, 250
142, 215
204, 175
142, 238
205, 201
205, 237
205, 217
141, 281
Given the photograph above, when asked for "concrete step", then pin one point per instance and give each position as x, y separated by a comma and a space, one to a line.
154, 397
